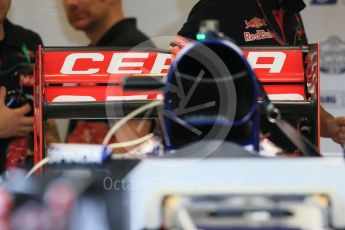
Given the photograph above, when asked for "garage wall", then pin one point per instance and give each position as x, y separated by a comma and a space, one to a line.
47, 17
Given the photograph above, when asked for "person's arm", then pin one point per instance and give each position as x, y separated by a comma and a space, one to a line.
332, 127
13, 122
51, 132
134, 129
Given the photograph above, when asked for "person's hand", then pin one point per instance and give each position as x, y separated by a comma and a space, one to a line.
336, 128
13, 122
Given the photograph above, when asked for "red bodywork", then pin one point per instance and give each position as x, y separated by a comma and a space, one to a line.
85, 70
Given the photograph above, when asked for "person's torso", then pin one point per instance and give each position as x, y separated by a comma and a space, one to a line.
125, 34
17, 54
248, 22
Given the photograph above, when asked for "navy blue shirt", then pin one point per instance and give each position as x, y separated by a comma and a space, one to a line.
251, 22
125, 34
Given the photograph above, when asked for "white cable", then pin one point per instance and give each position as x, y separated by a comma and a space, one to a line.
124, 120
131, 143
37, 166
185, 220
125, 156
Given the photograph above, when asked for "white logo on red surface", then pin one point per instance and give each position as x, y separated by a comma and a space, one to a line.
275, 67
120, 63
132, 63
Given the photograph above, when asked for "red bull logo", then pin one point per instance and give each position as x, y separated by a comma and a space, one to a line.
256, 23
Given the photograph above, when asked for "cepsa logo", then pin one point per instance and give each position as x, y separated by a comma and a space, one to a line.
264, 62
120, 63
133, 63
323, 2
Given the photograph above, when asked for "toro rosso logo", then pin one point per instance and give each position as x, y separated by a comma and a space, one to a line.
333, 56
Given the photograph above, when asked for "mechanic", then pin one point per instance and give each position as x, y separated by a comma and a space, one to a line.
261, 22
104, 23
17, 47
